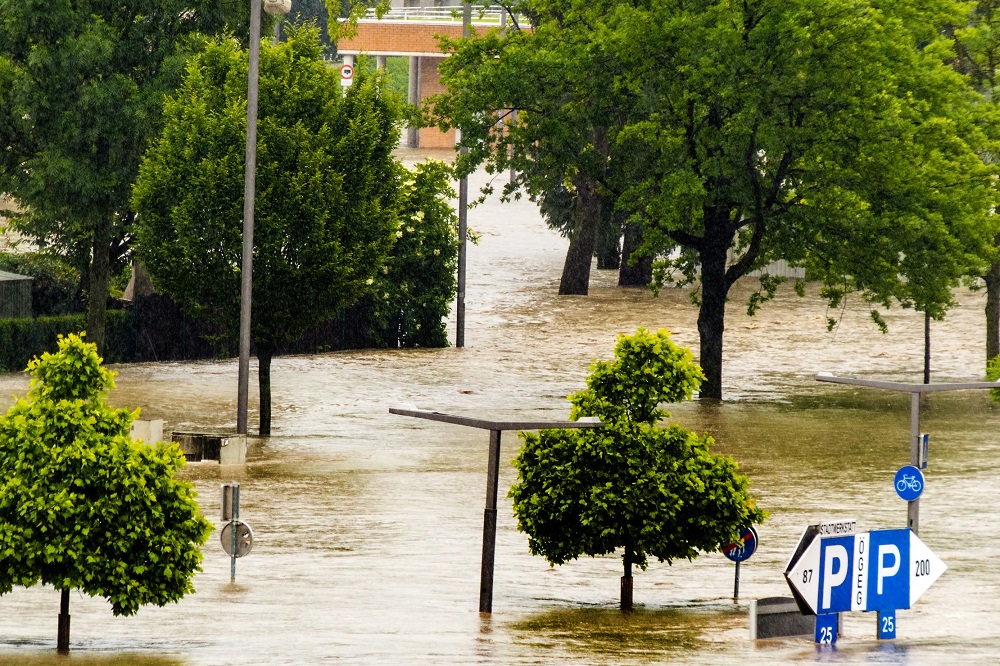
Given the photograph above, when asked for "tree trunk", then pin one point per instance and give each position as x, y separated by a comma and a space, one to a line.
97, 297
587, 211
609, 251
62, 637
712, 315
626, 596
264, 354
993, 311
641, 274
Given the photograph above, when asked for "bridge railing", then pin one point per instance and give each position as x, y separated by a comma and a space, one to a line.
453, 14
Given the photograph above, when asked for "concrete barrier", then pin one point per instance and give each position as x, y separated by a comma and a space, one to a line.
226, 448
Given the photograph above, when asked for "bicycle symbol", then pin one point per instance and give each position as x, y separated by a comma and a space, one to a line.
908, 481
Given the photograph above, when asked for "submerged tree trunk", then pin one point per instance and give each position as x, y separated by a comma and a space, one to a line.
62, 637
993, 311
641, 273
609, 249
576, 271
100, 276
712, 315
264, 354
626, 596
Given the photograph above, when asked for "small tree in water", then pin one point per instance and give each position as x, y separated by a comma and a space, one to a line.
82, 505
649, 490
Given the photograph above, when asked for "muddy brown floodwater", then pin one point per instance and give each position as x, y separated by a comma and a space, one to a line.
368, 526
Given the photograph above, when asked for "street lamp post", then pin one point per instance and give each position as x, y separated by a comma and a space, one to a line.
249, 191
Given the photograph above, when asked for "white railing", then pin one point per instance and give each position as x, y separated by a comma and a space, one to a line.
453, 14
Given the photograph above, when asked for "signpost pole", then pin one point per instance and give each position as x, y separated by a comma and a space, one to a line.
913, 506
736, 585
490, 525
232, 530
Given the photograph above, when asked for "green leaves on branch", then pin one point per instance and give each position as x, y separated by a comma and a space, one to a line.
82, 505
653, 491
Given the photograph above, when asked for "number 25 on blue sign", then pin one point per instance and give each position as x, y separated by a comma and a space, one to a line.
887, 624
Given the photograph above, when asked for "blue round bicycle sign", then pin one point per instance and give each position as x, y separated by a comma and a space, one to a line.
909, 483
741, 550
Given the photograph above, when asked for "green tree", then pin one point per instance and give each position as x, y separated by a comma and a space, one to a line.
652, 491
81, 89
83, 506
977, 46
327, 191
415, 288
828, 134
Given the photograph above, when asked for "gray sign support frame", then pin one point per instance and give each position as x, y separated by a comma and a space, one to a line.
492, 479
915, 390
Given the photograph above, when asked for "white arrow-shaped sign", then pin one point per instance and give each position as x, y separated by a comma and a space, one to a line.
927, 568
803, 573
881, 570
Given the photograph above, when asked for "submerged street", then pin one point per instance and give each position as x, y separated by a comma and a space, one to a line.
368, 526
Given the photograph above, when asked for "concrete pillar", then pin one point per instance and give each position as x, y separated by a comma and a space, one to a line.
380, 61
348, 59
413, 97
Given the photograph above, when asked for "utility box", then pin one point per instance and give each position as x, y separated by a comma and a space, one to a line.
15, 296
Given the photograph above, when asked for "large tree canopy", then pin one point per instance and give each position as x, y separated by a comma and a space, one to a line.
327, 192
81, 89
831, 133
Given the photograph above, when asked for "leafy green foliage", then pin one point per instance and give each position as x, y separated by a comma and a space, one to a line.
653, 491
23, 339
327, 188
81, 504
415, 288
81, 90
833, 135
326, 197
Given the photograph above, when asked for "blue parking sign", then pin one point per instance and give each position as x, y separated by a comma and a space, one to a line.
836, 555
889, 572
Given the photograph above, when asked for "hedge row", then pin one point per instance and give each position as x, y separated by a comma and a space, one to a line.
23, 339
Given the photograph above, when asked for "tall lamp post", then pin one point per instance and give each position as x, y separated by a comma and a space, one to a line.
463, 214
249, 191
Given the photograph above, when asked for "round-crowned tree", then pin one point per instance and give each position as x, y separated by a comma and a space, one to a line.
84, 507
651, 491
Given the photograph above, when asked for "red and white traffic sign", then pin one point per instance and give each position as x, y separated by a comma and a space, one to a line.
347, 72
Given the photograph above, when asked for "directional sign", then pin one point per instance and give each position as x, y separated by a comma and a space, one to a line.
882, 570
740, 551
909, 482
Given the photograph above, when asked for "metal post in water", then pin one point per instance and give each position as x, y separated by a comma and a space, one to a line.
490, 525
463, 214
913, 507
736, 585
232, 531
249, 189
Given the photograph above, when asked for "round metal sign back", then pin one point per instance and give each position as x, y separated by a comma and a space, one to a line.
741, 550
909, 483
244, 538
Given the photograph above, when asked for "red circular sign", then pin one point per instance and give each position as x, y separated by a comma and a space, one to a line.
347, 72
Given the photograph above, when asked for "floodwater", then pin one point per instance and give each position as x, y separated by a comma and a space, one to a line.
368, 526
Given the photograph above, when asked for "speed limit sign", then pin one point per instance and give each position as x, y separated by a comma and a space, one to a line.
347, 72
